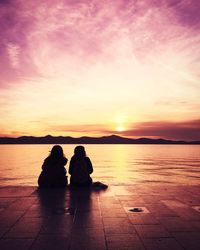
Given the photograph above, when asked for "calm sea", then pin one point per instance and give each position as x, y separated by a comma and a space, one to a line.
113, 164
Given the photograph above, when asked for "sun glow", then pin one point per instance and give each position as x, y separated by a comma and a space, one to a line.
120, 120
120, 128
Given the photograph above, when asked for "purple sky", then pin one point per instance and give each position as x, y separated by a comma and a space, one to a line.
100, 67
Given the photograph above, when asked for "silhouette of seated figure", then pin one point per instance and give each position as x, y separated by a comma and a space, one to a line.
80, 169
53, 173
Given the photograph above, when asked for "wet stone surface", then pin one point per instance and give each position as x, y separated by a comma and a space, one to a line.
120, 217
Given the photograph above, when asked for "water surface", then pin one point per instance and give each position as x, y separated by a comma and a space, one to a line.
113, 164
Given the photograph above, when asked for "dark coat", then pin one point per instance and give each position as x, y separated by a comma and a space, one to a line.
80, 170
53, 173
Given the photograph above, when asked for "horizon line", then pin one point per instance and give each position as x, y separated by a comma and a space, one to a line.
99, 137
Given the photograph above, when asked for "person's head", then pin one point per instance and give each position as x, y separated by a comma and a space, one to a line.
56, 152
79, 152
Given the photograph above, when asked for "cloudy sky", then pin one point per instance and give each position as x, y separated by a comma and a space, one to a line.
90, 67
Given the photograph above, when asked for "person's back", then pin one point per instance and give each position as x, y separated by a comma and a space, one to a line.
53, 171
80, 168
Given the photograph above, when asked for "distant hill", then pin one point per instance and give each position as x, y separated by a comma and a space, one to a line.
112, 139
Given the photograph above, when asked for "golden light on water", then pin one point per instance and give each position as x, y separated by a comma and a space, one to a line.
120, 167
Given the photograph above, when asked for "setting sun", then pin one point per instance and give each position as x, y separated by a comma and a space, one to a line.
120, 128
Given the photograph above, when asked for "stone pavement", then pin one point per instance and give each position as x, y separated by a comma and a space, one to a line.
166, 217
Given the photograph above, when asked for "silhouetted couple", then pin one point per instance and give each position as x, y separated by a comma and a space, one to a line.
53, 173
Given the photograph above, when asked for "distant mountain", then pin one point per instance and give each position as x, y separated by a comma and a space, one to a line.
112, 139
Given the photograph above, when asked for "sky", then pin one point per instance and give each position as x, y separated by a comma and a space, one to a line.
93, 68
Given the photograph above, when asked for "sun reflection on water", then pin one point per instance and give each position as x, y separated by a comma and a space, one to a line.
113, 164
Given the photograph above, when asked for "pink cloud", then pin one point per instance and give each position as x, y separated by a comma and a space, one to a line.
89, 30
188, 130
13, 53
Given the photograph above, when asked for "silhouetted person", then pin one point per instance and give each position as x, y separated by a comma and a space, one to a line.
80, 168
53, 171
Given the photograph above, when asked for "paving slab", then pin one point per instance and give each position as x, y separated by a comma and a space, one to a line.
143, 219
188, 240
16, 191
74, 219
49, 242
128, 241
162, 244
152, 231
15, 244
177, 224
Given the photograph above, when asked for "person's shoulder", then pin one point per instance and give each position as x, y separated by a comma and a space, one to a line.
46, 160
72, 158
87, 158
65, 160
